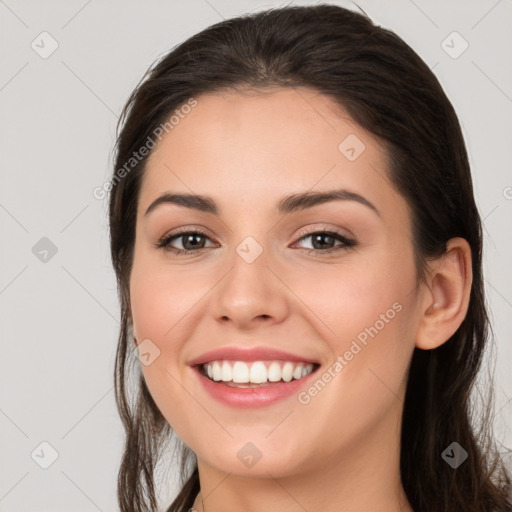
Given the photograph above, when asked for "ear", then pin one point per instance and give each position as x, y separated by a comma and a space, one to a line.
446, 296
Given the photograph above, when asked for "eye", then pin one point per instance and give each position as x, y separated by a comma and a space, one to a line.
190, 241
326, 239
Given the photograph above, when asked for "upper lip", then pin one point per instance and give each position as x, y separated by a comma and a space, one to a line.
249, 354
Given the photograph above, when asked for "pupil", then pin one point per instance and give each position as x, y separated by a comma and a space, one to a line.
321, 236
189, 237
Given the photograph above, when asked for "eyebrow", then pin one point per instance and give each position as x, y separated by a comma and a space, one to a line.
288, 204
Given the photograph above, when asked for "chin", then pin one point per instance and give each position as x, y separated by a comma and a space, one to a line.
254, 459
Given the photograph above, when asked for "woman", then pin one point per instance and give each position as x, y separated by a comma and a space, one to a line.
331, 376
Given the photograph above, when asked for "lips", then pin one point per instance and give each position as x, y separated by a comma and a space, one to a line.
237, 388
252, 395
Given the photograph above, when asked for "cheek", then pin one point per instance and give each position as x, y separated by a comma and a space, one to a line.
352, 297
148, 304
162, 299
161, 310
368, 315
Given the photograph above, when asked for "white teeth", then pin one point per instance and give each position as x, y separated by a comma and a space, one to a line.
297, 373
274, 372
216, 371
240, 372
257, 372
226, 372
287, 372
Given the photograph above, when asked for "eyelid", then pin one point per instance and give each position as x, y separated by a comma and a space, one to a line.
193, 228
302, 232
346, 241
316, 229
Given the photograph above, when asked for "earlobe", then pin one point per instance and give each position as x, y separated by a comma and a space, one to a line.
446, 298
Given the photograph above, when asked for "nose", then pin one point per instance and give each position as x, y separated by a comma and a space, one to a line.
251, 293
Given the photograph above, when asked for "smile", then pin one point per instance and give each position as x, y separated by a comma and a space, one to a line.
253, 374
243, 384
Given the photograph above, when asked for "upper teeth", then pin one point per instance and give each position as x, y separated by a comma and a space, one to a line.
256, 372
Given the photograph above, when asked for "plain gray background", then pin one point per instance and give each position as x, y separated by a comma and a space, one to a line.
60, 317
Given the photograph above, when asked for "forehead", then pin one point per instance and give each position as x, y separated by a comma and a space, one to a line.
277, 122
250, 146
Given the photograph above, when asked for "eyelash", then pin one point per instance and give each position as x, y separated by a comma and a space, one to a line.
164, 242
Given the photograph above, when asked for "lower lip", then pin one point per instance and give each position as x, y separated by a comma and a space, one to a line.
252, 397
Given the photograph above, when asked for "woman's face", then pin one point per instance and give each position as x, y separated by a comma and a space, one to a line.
262, 277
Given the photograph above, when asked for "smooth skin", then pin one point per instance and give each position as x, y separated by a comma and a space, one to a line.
340, 451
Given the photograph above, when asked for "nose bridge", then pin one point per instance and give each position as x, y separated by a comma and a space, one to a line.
249, 275
249, 289
250, 250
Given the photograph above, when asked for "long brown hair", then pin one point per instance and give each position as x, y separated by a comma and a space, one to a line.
391, 92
